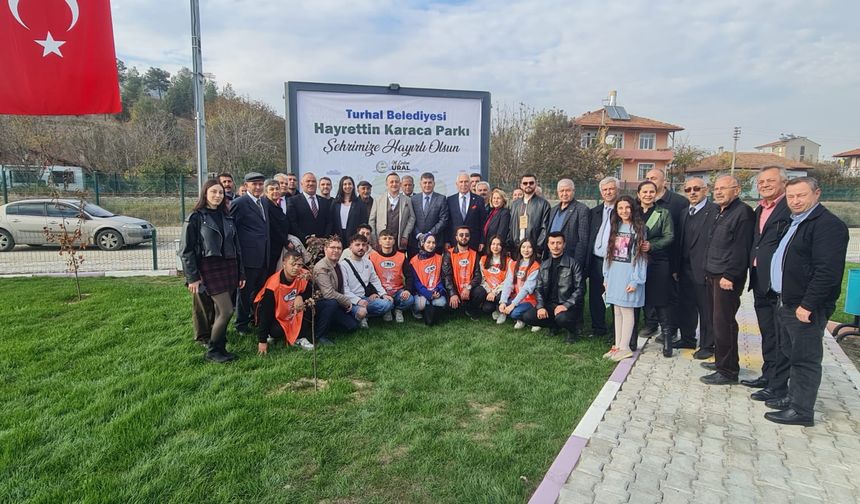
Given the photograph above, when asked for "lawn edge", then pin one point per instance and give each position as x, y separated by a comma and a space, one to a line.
565, 462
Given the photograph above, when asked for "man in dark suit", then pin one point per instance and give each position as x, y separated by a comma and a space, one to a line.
694, 233
772, 218
806, 272
726, 264
250, 213
308, 213
598, 237
279, 225
431, 214
466, 209
570, 218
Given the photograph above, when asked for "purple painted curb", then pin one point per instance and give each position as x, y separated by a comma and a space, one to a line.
564, 463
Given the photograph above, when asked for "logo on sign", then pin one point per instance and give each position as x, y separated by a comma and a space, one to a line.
399, 166
381, 167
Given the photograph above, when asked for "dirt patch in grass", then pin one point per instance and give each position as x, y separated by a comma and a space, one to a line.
300, 385
362, 389
486, 411
393, 455
73, 299
339, 500
521, 426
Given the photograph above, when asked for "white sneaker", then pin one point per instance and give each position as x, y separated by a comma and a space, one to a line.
502, 318
304, 343
387, 316
417, 315
363, 323
495, 315
536, 328
398, 316
519, 325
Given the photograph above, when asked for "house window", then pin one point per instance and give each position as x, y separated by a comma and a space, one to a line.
616, 171
615, 139
647, 141
644, 168
588, 139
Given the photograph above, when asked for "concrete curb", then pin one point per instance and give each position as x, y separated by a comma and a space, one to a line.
94, 274
566, 460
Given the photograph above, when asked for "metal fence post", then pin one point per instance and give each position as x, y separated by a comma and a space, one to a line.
5, 189
154, 249
181, 197
96, 183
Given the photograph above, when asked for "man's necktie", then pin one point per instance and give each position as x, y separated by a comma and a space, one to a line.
260, 206
692, 211
314, 208
463, 206
426, 203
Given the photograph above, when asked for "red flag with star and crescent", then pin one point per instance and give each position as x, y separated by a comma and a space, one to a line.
57, 58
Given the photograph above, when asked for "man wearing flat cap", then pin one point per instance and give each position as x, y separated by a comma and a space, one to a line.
364, 190
251, 215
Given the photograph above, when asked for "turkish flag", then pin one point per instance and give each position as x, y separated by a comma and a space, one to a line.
57, 58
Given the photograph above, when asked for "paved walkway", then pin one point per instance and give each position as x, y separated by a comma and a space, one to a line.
667, 437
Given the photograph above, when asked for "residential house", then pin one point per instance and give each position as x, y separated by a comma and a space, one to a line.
850, 161
639, 143
793, 147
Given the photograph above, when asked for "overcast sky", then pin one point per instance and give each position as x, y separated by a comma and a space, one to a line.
771, 67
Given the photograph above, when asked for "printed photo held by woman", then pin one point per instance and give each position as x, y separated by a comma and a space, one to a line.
518, 290
658, 244
212, 264
624, 273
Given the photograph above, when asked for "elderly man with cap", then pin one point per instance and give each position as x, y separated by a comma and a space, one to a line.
364, 190
251, 216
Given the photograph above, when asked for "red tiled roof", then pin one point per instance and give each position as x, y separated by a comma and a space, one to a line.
747, 161
597, 118
850, 153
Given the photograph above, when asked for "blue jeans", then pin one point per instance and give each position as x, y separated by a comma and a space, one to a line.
399, 304
375, 308
517, 313
330, 313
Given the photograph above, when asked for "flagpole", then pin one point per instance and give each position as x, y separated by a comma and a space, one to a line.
197, 75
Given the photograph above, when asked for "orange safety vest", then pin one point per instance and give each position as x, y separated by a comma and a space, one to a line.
522, 273
494, 276
285, 297
389, 270
428, 270
462, 264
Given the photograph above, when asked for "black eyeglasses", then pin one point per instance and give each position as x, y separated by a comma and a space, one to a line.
531, 182
694, 188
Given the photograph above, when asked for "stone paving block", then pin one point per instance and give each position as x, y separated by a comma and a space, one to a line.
581, 481
676, 496
601, 446
568, 496
645, 498
808, 499
592, 464
647, 482
743, 493
604, 496
713, 446
705, 495
839, 494
740, 477
676, 480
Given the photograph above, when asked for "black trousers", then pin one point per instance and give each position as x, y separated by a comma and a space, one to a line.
254, 280
725, 304
478, 300
596, 307
694, 308
564, 320
766, 306
801, 347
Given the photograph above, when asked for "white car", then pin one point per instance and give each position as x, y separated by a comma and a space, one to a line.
24, 222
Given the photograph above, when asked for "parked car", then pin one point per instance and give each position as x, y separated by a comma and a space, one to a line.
25, 222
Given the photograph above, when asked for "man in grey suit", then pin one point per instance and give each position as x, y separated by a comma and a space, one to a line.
393, 211
431, 214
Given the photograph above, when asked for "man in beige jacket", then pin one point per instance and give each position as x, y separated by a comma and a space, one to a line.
393, 211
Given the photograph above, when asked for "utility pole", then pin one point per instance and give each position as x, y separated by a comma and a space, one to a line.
198, 77
735, 135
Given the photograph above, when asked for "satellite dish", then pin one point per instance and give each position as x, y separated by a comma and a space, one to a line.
610, 140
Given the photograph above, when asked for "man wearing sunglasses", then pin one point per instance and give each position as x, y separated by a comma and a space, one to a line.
530, 216
694, 234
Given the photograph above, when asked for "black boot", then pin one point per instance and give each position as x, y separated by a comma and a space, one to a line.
667, 342
570, 337
218, 354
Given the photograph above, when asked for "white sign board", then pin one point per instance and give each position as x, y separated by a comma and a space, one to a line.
368, 136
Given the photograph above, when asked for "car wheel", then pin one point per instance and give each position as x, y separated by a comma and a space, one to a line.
109, 239
6, 241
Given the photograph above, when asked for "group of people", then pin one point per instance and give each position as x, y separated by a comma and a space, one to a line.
677, 263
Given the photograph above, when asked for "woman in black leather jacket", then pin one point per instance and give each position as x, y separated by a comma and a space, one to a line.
213, 269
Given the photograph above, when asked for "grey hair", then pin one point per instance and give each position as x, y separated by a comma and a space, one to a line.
783, 175
608, 180
566, 182
483, 183
726, 175
271, 182
279, 176
810, 181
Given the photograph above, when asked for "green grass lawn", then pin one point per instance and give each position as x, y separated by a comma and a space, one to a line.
839, 315
108, 400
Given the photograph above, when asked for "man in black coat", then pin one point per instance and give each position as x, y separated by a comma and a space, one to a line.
726, 264
772, 219
559, 289
570, 218
530, 216
694, 304
279, 225
598, 236
250, 213
466, 208
431, 214
308, 213
806, 272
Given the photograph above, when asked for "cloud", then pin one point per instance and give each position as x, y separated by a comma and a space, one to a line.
768, 66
